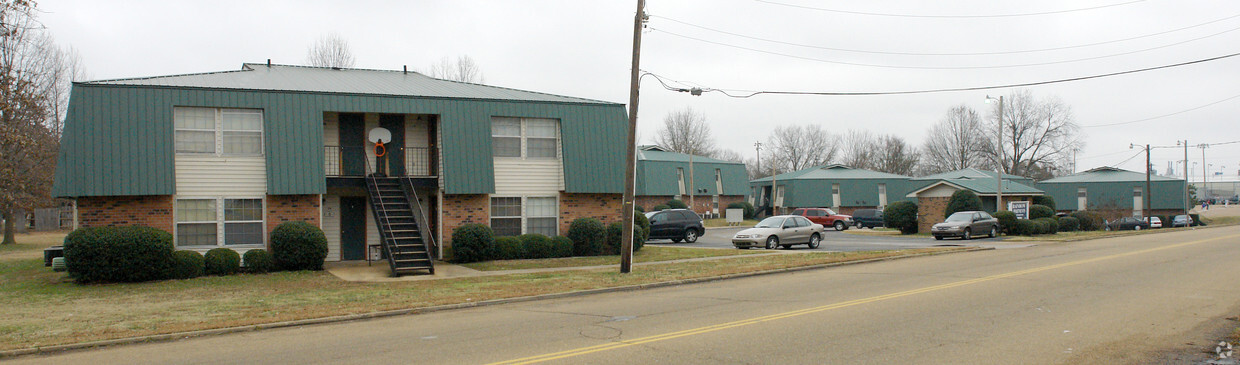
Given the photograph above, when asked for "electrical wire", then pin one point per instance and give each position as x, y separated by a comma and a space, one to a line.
974, 88
946, 16
1161, 116
942, 54
1129, 159
939, 67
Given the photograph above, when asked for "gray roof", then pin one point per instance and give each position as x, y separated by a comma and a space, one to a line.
833, 171
258, 76
969, 173
1106, 174
983, 186
658, 154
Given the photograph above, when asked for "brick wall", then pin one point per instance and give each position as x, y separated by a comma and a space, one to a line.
649, 201
930, 211
284, 208
604, 207
462, 209
144, 210
702, 203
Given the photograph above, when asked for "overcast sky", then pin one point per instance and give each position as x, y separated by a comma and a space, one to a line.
582, 48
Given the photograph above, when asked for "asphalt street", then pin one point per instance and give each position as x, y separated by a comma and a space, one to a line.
1118, 300
833, 240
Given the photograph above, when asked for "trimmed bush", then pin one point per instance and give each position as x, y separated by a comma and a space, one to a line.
1006, 218
537, 246
1023, 227
222, 261
472, 243
641, 222
1090, 221
748, 208
588, 236
1046, 200
639, 209
901, 215
563, 247
660, 207
1040, 211
1047, 225
297, 245
1069, 224
615, 234
187, 264
676, 204
508, 248
258, 261
961, 201
119, 254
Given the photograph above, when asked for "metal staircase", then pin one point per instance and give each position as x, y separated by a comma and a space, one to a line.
407, 243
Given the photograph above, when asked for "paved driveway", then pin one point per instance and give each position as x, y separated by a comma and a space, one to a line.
832, 241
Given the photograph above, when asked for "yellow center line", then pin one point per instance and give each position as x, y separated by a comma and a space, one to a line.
801, 312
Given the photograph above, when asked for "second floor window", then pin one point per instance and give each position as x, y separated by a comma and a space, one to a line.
525, 138
217, 131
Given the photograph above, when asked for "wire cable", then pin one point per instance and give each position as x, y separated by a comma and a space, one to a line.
1161, 116
1129, 159
973, 88
943, 54
946, 16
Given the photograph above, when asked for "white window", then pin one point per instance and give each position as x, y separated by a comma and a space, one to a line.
718, 182
511, 216
232, 132
680, 179
219, 222
526, 138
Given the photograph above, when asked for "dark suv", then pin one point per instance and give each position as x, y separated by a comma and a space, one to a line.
868, 218
676, 225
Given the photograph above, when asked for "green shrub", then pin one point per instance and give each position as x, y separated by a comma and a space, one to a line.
639, 209
187, 264
641, 222
1007, 220
660, 207
222, 261
1069, 224
745, 206
588, 236
119, 254
297, 245
537, 246
472, 243
1023, 227
1047, 225
1040, 211
961, 201
258, 261
901, 215
615, 236
508, 248
676, 204
1090, 221
563, 247
1046, 200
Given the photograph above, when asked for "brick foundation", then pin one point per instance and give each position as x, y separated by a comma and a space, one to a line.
649, 201
702, 203
604, 207
285, 208
462, 209
930, 211
143, 210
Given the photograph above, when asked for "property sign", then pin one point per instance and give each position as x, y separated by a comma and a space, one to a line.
1021, 209
735, 215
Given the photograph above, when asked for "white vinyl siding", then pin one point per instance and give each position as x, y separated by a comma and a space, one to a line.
835, 196
219, 176
882, 195
331, 226
1081, 199
527, 176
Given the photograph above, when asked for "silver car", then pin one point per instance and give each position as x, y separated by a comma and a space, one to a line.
780, 231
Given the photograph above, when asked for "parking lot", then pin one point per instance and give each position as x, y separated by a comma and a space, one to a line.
833, 241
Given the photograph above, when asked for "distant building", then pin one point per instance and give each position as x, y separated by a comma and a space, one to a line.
841, 188
1115, 192
663, 175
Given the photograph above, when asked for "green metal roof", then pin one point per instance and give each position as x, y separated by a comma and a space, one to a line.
831, 172
1105, 174
969, 173
984, 186
659, 155
657, 173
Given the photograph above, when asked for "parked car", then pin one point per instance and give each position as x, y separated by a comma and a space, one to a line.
1154, 222
780, 231
1127, 223
676, 225
868, 218
964, 224
825, 217
1181, 221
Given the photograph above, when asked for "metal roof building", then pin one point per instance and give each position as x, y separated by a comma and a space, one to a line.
836, 186
663, 173
1109, 188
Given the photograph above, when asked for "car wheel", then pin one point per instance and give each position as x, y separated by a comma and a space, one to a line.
840, 226
772, 242
814, 240
968, 234
1136, 228
859, 225
691, 235
994, 231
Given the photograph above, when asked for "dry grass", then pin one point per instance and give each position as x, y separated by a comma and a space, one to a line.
646, 254
723, 222
874, 232
44, 308
31, 245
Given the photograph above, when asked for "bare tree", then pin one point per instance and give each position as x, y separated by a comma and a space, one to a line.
29, 67
462, 69
1037, 134
729, 155
686, 131
956, 142
894, 156
330, 50
858, 149
797, 147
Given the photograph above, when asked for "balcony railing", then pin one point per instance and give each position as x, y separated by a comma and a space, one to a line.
349, 161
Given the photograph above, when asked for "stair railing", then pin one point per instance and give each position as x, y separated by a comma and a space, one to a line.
381, 216
423, 228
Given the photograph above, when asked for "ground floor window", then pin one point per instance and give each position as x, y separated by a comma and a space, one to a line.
511, 216
219, 222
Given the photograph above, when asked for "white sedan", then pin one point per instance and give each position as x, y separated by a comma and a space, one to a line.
780, 231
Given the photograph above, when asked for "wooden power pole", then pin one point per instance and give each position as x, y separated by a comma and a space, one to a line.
630, 166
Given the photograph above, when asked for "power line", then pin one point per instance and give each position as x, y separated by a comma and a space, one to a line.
927, 91
946, 16
943, 54
1128, 159
938, 67
1161, 116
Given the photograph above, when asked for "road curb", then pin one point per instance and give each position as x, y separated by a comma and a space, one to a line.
43, 350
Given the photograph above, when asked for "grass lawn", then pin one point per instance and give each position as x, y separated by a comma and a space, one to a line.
646, 254
723, 222
31, 245
874, 231
42, 307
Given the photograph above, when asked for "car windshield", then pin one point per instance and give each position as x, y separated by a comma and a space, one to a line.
772, 222
960, 217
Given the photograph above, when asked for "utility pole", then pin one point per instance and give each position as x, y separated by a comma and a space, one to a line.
1186, 207
692, 186
999, 158
1146, 200
630, 167
1204, 167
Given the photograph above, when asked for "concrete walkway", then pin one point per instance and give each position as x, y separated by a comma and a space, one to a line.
379, 271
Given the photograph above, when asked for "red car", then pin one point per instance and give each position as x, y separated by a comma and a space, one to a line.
825, 217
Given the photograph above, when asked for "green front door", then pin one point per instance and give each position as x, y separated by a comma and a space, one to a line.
352, 228
395, 123
352, 128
